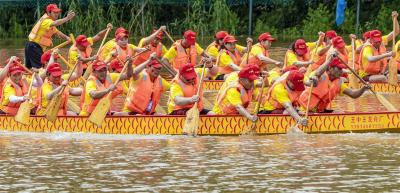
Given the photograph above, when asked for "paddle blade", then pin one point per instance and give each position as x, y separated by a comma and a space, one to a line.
353, 82
389, 106
52, 108
100, 112
24, 113
73, 107
393, 79
192, 121
89, 70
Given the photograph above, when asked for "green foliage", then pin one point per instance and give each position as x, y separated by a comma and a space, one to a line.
348, 26
317, 20
222, 18
262, 26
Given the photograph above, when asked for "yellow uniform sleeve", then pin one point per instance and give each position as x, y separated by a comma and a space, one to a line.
212, 51
133, 47
171, 54
8, 91
165, 84
73, 56
343, 87
280, 94
90, 86
240, 48
107, 48
225, 60
164, 50
114, 76
140, 45
291, 58
199, 50
175, 91
46, 88
44, 26
385, 40
233, 97
311, 45
367, 51
256, 50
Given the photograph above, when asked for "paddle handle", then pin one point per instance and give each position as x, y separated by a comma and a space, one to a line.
61, 45
201, 79
103, 41
65, 61
168, 67
249, 46
260, 96
31, 84
353, 48
24, 67
308, 100
169, 36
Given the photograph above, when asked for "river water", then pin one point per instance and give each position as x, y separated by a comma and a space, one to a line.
78, 162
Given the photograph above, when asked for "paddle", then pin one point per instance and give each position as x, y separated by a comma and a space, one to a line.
389, 106
89, 69
169, 36
168, 67
101, 109
393, 79
353, 82
309, 68
70, 66
54, 105
257, 109
61, 45
24, 111
249, 46
191, 124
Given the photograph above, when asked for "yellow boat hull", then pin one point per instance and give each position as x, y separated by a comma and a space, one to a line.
210, 125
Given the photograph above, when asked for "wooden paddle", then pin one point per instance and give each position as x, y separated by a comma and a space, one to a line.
309, 68
54, 105
61, 45
191, 124
101, 109
389, 106
70, 66
24, 111
393, 79
252, 128
169, 36
168, 67
249, 46
89, 69
353, 81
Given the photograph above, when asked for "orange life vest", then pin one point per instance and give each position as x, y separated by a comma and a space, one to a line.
46, 39
245, 95
254, 60
188, 91
304, 58
293, 95
88, 108
12, 108
64, 100
144, 91
322, 94
235, 56
123, 53
146, 55
85, 54
182, 57
373, 68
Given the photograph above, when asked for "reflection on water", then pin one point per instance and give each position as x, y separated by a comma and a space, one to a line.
85, 162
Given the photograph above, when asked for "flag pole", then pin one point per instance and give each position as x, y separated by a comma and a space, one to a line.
358, 18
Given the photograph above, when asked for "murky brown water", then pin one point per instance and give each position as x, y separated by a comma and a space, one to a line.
79, 162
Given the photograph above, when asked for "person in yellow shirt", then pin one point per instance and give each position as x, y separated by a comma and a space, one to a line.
83, 48
98, 85
184, 51
16, 88
229, 58
235, 98
154, 39
52, 86
41, 35
213, 49
184, 91
300, 52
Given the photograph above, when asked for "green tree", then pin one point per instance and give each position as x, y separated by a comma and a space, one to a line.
317, 20
222, 18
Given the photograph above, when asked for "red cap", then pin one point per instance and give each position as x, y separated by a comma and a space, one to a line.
367, 35
187, 71
338, 42
17, 60
330, 34
98, 64
229, 39
155, 64
300, 47
121, 30
116, 65
376, 35
52, 8
297, 79
336, 63
247, 73
54, 69
190, 37
290, 68
265, 36
159, 35
256, 69
121, 35
221, 34
82, 40
15, 69
46, 57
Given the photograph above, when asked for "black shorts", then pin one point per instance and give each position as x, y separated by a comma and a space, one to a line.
220, 77
183, 112
33, 53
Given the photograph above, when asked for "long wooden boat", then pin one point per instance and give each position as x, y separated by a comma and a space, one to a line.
211, 125
215, 85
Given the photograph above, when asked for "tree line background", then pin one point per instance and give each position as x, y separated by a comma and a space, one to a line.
286, 19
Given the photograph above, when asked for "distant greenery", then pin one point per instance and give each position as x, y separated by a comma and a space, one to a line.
288, 19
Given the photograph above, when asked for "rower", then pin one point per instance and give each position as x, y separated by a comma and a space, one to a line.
259, 54
299, 53
235, 98
154, 43
184, 51
282, 97
53, 84
83, 48
98, 85
229, 58
183, 93
319, 56
330, 84
15, 89
4, 71
145, 89
41, 35
213, 49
